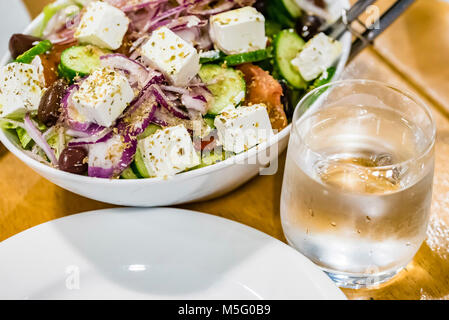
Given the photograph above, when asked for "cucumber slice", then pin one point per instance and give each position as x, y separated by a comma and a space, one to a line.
211, 158
152, 128
325, 78
236, 59
79, 61
129, 174
40, 48
6, 125
210, 122
211, 56
208, 159
292, 8
226, 84
140, 166
254, 56
272, 28
24, 138
135, 171
287, 44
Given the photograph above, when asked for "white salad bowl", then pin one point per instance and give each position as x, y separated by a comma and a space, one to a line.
201, 184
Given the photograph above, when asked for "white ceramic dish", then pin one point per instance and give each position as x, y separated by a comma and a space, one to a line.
196, 185
159, 253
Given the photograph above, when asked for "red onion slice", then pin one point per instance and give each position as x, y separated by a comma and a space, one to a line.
186, 22
136, 71
97, 138
198, 103
189, 35
142, 5
64, 37
108, 159
168, 13
175, 89
159, 122
204, 8
198, 98
165, 118
137, 44
37, 136
222, 6
162, 99
139, 115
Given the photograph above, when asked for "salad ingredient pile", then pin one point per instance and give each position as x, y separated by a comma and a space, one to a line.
152, 88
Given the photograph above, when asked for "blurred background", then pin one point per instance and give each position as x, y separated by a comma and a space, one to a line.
12, 23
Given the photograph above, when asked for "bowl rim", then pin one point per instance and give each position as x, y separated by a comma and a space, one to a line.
237, 159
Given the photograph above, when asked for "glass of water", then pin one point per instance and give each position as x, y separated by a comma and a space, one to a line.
358, 180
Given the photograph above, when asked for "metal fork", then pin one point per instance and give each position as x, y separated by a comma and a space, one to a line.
366, 38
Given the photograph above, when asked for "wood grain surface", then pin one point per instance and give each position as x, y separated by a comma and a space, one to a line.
412, 54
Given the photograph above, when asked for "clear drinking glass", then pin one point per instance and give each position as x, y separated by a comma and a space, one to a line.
358, 180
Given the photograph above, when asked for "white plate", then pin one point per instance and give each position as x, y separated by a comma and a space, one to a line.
196, 185
157, 253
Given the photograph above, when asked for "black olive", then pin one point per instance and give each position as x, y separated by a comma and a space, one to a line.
308, 26
285, 99
20, 43
289, 99
320, 3
50, 105
261, 6
73, 160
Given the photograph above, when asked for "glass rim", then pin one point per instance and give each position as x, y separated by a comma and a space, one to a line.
405, 92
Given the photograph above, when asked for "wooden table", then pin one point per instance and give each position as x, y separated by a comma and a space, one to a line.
412, 54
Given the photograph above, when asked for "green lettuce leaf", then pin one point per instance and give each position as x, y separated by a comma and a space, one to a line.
24, 138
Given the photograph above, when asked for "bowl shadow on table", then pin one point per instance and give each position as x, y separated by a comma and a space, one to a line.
3, 150
162, 261
72, 203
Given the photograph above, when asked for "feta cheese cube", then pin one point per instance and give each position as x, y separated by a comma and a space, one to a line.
317, 56
102, 25
103, 96
243, 128
168, 152
170, 54
238, 31
333, 11
20, 89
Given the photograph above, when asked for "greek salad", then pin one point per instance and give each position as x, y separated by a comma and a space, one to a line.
136, 89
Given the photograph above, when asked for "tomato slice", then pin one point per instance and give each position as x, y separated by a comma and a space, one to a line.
205, 144
263, 88
50, 62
